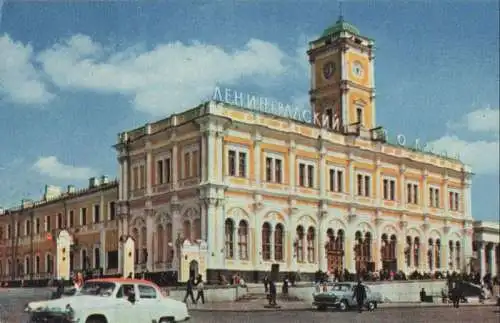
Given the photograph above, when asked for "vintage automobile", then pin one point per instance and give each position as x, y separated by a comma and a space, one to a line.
340, 296
111, 300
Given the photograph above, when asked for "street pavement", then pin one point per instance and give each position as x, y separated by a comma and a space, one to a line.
464, 314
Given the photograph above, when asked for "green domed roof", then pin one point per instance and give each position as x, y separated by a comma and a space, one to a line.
340, 26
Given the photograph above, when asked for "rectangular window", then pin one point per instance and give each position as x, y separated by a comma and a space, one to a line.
310, 176
83, 216
364, 185
59, 221
359, 115
393, 190
269, 169
242, 164
231, 163
112, 211
196, 163
302, 175
367, 186
412, 193
386, 189
415, 194
47, 224
142, 174
37, 225
431, 197
454, 201
434, 197
71, 218
340, 180
159, 172
168, 170
360, 184
329, 118
408, 193
187, 165
135, 178
97, 213
277, 170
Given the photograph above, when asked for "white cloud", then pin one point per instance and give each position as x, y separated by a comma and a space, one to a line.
52, 167
166, 79
481, 155
19, 80
481, 120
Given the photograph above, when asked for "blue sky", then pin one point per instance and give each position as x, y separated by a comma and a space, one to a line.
73, 75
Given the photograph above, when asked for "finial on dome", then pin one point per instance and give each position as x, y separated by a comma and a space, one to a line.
341, 16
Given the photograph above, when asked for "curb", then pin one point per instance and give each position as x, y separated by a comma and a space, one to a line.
295, 309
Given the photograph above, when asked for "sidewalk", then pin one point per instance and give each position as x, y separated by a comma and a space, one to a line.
259, 306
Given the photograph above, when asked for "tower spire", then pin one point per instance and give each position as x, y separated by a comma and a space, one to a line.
341, 14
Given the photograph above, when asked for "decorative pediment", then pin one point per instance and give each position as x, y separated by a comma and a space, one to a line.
360, 102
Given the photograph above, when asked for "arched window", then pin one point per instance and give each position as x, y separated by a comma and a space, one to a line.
135, 236
48, 263
266, 241
27, 267
451, 255
84, 261
144, 245
187, 230
385, 247
430, 254
243, 240
97, 258
170, 249
160, 243
339, 241
416, 252
37, 264
299, 244
229, 234
310, 245
392, 247
437, 254
457, 256
197, 229
408, 251
278, 242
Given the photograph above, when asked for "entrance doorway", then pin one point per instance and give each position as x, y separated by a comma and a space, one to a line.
193, 269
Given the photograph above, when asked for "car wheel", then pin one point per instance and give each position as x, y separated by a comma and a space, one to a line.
372, 306
167, 320
343, 305
95, 320
321, 308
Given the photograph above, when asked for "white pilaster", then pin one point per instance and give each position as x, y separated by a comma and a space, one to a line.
321, 251
257, 159
149, 239
292, 166
352, 177
378, 169
126, 183
176, 230
220, 155
213, 248
402, 186
175, 172
273, 229
122, 182
322, 173
149, 170
493, 261
204, 159
446, 199
425, 192
235, 243
204, 228
481, 252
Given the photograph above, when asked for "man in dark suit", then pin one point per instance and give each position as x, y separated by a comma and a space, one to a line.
359, 295
189, 290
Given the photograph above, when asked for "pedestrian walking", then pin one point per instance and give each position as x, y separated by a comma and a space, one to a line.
200, 288
359, 295
456, 295
189, 290
272, 293
266, 284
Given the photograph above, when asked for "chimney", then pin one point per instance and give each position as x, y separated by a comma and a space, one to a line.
93, 182
104, 179
71, 189
51, 192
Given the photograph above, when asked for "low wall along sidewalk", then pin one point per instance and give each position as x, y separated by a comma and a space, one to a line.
213, 294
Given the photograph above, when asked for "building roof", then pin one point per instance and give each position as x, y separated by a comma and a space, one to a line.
340, 26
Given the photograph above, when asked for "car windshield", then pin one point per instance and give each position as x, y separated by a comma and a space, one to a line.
97, 289
340, 288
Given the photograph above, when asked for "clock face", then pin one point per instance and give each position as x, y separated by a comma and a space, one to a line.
357, 69
328, 70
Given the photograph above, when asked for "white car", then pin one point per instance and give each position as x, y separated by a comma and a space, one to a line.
111, 300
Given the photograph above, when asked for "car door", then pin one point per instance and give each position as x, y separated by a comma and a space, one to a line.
151, 300
127, 311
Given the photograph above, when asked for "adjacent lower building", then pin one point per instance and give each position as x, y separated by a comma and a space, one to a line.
486, 247
28, 232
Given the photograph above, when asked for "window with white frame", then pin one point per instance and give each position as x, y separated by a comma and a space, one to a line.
274, 168
37, 225
363, 185
138, 177
237, 161
96, 213
454, 200
389, 189
336, 179
190, 162
359, 114
412, 193
306, 174
111, 210
163, 170
47, 223
83, 216
434, 200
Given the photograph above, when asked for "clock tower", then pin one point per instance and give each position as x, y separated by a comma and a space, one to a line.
342, 82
